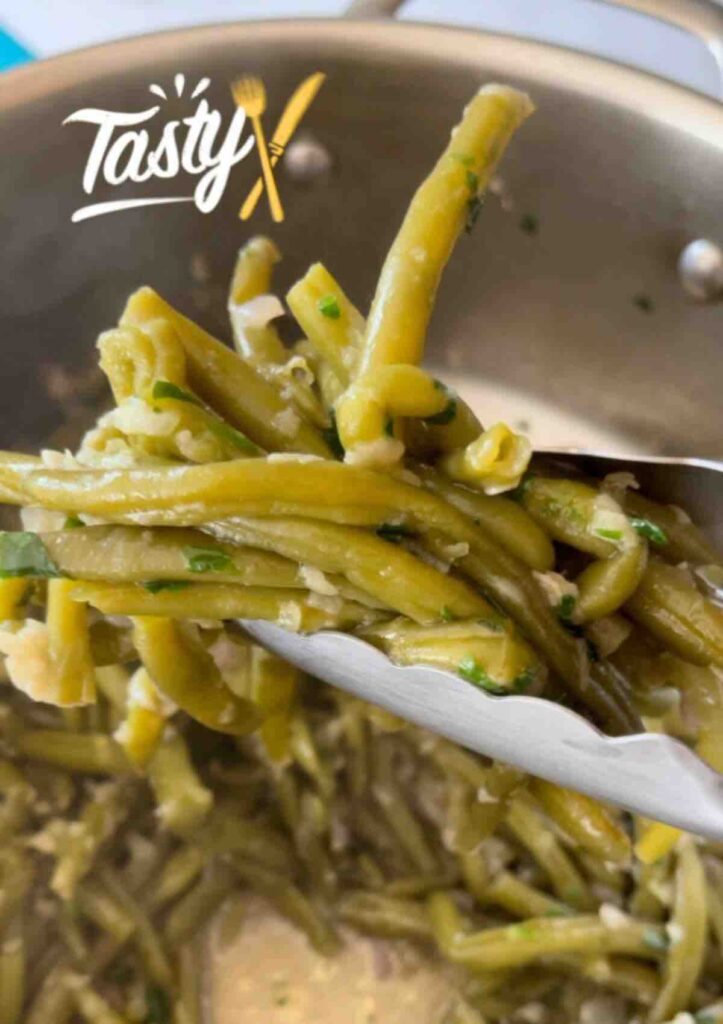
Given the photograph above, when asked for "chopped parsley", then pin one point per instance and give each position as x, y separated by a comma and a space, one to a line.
518, 493
472, 181
389, 426
471, 670
224, 432
24, 554
156, 586
206, 559
474, 205
529, 224
464, 158
650, 530
165, 389
643, 302
331, 436
446, 614
158, 1006
446, 415
558, 912
609, 534
328, 306
73, 523
522, 682
656, 940
566, 606
394, 532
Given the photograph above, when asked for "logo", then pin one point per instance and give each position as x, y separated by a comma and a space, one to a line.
144, 147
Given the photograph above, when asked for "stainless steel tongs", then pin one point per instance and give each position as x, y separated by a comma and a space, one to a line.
654, 775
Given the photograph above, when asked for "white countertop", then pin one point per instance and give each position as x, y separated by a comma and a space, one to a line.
48, 27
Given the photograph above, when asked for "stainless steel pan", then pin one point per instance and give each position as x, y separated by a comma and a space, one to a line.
619, 170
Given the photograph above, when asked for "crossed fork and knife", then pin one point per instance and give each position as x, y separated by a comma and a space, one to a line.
250, 95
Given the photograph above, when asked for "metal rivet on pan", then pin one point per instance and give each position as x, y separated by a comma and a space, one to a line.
307, 159
700, 266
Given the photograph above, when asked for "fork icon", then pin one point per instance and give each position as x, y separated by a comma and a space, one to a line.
249, 94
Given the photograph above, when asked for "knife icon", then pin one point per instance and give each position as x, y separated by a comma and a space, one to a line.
294, 110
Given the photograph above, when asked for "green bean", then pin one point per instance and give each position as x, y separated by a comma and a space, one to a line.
90, 1005
385, 916
336, 338
187, 675
95, 902
585, 821
668, 604
382, 569
584, 518
518, 944
130, 555
502, 518
190, 984
408, 281
178, 873
528, 826
89, 753
147, 941
687, 931
396, 810
685, 542
13, 956
182, 801
293, 608
76, 844
289, 901
53, 1002
17, 796
225, 832
520, 899
228, 384
306, 754
199, 903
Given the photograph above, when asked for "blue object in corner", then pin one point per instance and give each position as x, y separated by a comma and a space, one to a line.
12, 52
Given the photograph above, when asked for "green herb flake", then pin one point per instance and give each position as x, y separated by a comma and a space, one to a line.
463, 158
592, 652
234, 437
655, 940
156, 586
643, 302
24, 554
158, 1004
165, 389
519, 492
331, 436
650, 530
440, 419
471, 670
522, 682
558, 912
73, 523
525, 930
446, 614
328, 306
472, 181
566, 607
529, 224
609, 534
474, 205
206, 559
389, 426
394, 532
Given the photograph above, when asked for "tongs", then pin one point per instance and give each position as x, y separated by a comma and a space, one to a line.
651, 774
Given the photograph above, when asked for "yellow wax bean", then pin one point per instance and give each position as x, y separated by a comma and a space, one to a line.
585, 820
494, 462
